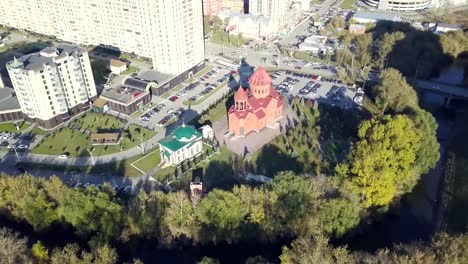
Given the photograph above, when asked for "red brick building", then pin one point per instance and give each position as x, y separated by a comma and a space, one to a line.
256, 108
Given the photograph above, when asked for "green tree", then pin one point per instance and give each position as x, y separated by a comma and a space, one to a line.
208, 260
385, 45
388, 171
144, 214
428, 153
222, 214
338, 215
40, 252
293, 205
394, 93
92, 211
179, 217
363, 53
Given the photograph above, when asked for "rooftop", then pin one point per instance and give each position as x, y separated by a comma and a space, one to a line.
180, 137
8, 100
122, 94
260, 77
117, 63
155, 76
376, 16
139, 84
47, 56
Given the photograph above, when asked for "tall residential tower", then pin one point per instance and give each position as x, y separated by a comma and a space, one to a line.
53, 85
170, 32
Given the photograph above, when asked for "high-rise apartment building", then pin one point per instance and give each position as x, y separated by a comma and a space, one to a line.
237, 5
53, 85
170, 32
275, 9
211, 7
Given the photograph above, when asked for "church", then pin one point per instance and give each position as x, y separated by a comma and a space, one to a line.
255, 108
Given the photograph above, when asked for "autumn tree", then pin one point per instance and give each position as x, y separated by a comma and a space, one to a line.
315, 250
179, 217
380, 165
13, 249
72, 253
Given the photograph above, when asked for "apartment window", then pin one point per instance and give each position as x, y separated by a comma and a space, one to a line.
49, 98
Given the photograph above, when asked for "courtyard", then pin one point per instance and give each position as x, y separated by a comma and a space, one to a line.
74, 139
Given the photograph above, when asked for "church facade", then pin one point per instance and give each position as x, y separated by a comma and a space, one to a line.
255, 108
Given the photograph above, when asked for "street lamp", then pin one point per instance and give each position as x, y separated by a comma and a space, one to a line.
91, 154
141, 143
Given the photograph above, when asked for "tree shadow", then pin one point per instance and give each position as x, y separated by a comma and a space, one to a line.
272, 160
219, 174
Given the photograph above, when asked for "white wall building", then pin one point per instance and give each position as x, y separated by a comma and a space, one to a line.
170, 32
248, 26
275, 9
54, 84
184, 143
412, 5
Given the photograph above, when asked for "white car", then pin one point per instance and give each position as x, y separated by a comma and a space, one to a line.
22, 147
11, 146
63, 156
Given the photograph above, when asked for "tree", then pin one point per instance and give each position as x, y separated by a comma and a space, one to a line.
394, 92
179, 217
315, 250
102, 254
363, 44
145, 213
40, 252
338, 215
293, 205
388, 171
454, 43
13, 249
222, 214
208, 260
385, 45
428, 153
92, 211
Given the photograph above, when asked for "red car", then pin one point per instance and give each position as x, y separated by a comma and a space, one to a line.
173, 98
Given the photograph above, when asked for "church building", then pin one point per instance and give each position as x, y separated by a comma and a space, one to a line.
255, 108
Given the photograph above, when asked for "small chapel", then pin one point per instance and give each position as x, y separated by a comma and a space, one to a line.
255, 108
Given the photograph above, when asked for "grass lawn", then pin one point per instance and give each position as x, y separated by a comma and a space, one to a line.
129, 57
10, 127
199, 101
137, 114
304, 55
149, 161
203, 71
348, 4
216, 112
99, 70
76, 143
130, 70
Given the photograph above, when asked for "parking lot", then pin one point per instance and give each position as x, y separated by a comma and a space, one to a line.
323, 90
165, 111
15, 141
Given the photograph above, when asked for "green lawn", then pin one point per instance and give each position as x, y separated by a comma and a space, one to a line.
221, 37
348, 4
217, 111
10, 127
203, 71
149, 161
130, 70
129, 57
77, 144
100, 70
199, 101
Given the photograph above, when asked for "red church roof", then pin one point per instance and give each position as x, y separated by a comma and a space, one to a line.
260, 77
241, 95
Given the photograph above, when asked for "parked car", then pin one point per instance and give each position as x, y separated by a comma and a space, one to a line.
63, 156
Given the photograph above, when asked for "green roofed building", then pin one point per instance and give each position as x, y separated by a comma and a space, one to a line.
184, 143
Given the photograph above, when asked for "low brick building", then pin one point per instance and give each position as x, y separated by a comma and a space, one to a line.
256, 108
